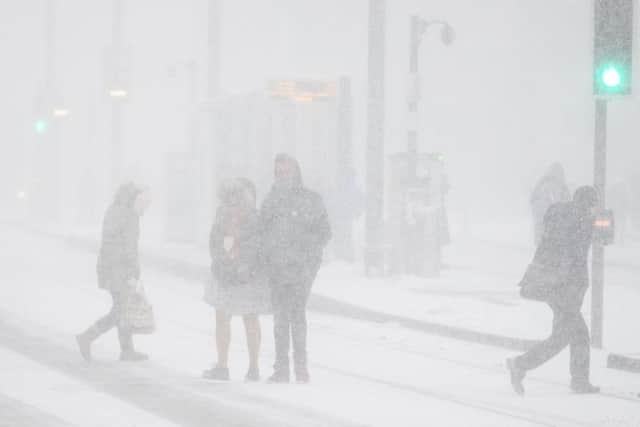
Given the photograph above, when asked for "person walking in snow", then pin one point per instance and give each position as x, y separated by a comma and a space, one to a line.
118, 268
238, 284
295, 229
562, 259
550, 189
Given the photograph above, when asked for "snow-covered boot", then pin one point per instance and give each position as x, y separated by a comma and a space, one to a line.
132, 356
253, 375
84, 344
583, 387
516, 375
217, 373
279, 376
302, 376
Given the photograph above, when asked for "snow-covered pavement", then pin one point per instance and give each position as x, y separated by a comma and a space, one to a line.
363, 373
478, 291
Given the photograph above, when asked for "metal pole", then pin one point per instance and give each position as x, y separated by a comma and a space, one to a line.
412, 133
117, 113
49, 45
213, 62
597, 255
345, 178
375, 136
192, 76
215, 115
50, 92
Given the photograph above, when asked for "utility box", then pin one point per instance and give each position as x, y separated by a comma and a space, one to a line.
604, 227
417, 218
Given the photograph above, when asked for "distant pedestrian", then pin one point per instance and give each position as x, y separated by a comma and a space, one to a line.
295, 229
118, 268
550, 189
238, 286
559, 276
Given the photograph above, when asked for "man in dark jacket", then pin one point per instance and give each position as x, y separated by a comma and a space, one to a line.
118, 267
295, 229
549, 190
564, 248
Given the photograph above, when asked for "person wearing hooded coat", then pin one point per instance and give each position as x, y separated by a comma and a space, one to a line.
118, 267
564, 249
238, 286
550, 189
295, 229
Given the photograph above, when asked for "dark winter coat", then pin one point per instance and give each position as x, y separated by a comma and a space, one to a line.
243, 267
564, 247
295, 229
118, 259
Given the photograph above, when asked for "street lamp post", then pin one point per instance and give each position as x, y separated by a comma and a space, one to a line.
417, 255
418, 29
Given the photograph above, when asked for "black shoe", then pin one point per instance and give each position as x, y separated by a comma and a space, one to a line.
517, 375
133, 356
253, 375
85, 347
216, 373
584, 387
279, 377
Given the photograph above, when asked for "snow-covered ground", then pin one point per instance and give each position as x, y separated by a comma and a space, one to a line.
478, 291
363, 373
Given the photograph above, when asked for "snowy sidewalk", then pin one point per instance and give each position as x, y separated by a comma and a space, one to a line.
478, 292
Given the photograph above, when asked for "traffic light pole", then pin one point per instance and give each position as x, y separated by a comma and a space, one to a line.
597, 254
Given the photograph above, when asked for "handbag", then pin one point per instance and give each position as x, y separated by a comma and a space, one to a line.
541, 281
138, 317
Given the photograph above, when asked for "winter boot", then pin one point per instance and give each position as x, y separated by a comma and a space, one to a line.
253, 375
280, 376
583, 387
302, 376
516, 375
84, 344
132, 356
216, 373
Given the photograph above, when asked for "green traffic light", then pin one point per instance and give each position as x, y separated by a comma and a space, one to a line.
41, 126
611, 77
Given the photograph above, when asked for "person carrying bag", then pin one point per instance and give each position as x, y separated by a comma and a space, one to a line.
541, 281
138, 317
118, 271
559, 276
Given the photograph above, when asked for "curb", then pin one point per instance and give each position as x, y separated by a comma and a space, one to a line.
328, 305
624, 363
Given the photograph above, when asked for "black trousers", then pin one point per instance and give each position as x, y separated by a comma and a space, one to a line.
290, 325
569, 328
111, 320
